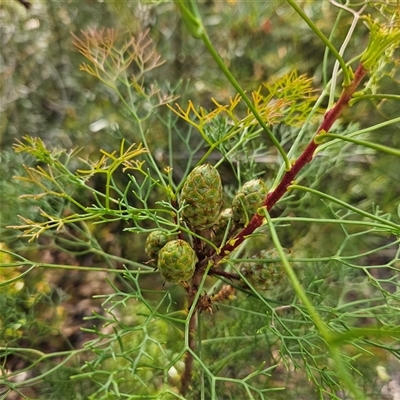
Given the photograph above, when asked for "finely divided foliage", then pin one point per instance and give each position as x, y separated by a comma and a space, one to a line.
253, 275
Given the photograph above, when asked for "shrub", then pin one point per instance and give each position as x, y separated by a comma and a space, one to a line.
296, 297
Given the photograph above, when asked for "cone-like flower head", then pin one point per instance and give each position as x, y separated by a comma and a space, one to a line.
263, 275
177, 261
248, 199
155, 242
202, 194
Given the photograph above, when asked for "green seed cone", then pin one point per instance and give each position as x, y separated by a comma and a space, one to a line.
177, 261
202, 194
263, 275
155, 241
248, 199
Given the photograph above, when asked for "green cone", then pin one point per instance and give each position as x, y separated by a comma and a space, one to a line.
155, 241
177, 261
263, 275
202, 194
248, 199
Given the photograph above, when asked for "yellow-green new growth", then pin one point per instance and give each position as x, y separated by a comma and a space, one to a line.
202, 195
382, 38
248, 199
177, 261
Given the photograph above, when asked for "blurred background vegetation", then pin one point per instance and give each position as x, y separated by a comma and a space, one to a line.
44, 94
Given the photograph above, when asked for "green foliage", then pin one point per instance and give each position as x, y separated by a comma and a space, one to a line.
317, 316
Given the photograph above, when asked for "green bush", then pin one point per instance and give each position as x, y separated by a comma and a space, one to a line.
295, 293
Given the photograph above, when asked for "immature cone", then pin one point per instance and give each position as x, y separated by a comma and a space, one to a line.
263, 275
177, 261
248, 199
155, 241
202, 194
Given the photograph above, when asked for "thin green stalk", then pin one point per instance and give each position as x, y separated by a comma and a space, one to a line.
7, 282
42, 357
143, 137
144, 269
375, 146
326, 52
195, 25
235, 84
346, 205
356, 17
295, 282
382, 96
197, 281
344, 373
191, 17
328, 221
319, 323
347, 78
360, 132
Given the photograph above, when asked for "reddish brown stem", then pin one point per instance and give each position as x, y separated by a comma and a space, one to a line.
330, 117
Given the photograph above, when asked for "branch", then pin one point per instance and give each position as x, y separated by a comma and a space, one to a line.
273, 197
